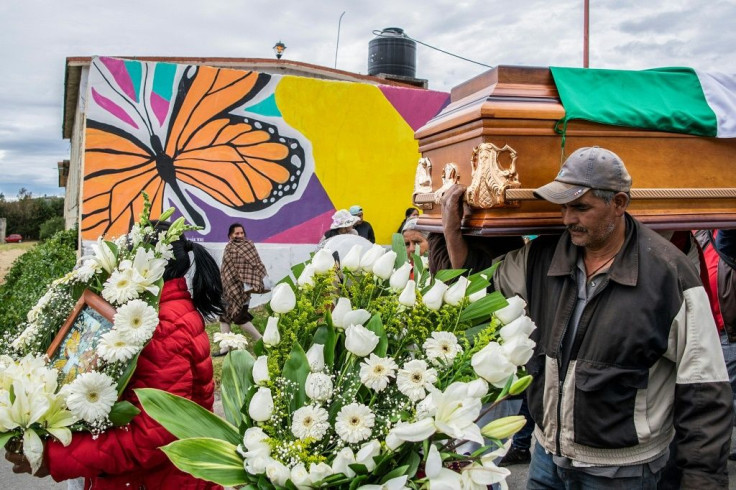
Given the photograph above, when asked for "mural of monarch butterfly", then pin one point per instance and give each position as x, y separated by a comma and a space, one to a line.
198, 140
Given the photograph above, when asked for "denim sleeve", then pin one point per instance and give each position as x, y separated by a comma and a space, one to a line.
726, 242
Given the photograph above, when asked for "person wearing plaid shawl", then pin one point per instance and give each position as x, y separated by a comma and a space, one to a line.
242, 273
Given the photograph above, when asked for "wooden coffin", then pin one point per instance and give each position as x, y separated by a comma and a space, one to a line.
497, 136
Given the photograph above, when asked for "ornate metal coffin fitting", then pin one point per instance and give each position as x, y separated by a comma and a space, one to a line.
490, 181
423, 183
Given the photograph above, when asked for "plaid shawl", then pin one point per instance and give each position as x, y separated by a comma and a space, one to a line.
241, 266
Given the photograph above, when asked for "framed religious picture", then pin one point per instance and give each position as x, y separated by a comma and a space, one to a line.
74, 349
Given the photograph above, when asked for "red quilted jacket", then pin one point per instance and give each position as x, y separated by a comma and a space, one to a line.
176, 360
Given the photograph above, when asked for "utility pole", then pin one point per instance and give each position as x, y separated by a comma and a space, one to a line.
337, 45
586, 31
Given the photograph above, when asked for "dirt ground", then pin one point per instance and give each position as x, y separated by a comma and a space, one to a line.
8, 253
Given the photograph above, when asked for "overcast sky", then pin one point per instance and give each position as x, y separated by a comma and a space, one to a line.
36, 37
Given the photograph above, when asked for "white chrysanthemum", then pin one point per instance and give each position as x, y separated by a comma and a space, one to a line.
310, 422
354, 423
414, 378
113, 347
162, 249
375, 372
443, 346
120, 287
136, 321
88, 269
91, 396
231, 341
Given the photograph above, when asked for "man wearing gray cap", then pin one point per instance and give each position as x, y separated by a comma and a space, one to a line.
627, 356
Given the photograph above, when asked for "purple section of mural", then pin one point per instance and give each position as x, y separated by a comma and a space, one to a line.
416, 106
313, 202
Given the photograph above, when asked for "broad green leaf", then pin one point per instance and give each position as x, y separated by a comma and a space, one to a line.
397, 245
395, 473
298, 269
375, 325
357, 480
259, 349
358, 468
289, 281
184, 418
296, 369
488, 272
413, 461
127, 374
208, 459
237, 378
476, 284
325, 334
473, 331
5, 437
122, 413
448, 274
482, 309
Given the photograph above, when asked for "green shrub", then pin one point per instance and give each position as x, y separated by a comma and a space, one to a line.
51, 227
29, 277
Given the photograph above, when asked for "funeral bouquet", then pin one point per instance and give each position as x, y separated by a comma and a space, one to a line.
78, 386
370, 374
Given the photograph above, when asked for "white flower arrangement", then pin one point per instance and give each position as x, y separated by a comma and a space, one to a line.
368, 376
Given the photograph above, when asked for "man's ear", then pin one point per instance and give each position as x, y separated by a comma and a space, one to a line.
621, 202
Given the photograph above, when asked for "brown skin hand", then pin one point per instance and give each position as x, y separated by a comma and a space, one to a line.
21, 464
452, 216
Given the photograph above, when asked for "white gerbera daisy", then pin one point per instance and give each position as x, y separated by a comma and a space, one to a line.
120, 287
375, 372
354, 423
443, 346
231, 341
91, 396
136, 321
113, 347
414, 378
310, 421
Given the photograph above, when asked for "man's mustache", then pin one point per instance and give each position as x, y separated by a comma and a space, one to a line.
578, 229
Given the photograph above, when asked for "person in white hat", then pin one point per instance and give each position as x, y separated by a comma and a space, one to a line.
342, 223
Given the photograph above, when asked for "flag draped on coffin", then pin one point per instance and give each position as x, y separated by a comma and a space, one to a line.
680, 100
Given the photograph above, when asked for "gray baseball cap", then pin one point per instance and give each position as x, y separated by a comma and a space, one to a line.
587, 168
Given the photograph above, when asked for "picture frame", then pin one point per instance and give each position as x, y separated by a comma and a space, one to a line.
74, 349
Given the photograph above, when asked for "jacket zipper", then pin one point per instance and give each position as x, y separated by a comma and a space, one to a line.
560, 377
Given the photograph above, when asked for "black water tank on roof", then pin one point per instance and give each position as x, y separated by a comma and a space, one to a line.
392, 53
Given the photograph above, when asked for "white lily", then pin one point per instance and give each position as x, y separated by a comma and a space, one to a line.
457, 412
104, 256
398, 483
480, 476
440, 478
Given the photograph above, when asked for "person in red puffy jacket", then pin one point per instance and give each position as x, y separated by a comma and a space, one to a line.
177, 360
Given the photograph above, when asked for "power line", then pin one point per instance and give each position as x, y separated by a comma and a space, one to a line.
404, 35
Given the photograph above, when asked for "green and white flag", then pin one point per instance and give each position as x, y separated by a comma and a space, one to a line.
680, 100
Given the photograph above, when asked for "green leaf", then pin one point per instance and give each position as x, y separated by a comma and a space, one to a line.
298, 269
482, 309
184, 418
326, 335
375, 325
395, 473
259, 348
413, 461
398, 246
476, 284
357, 480
208, 459
448, 274
289, 281
296, 369
113, 247
122, 413
358, 468
5, 437
127, 374
473, 331
237, 378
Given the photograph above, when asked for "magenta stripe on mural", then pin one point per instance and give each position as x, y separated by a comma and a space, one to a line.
112, 108
160, 107
121, 75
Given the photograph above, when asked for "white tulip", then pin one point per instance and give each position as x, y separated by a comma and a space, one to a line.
306, 278
342, 462
491, 364
260, 370
478, 295
433, 298
369, 258
511, 312
455, 294
523, 326
400, 277
384, 266
283, 299
366, 454
323, 261
271, 335
408, 296
519, 349
316, 357
359, 340
338, 313
356, 317
261, 405
318, 386
351, 261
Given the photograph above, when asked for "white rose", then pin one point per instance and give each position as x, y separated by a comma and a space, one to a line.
277, 472
283, 299
491, 364
478, 388
338, 313
323, 261
356, 317
370, 257
300, 477
254, 438
351, 261
384, 266
408, 296
400, 277
271, 335
316, 357
511, 312
519, 349
433, 298
455, 294
261, 405
359, 340
318, 386
306, 278
366, 454
523, 326
318, 472
260, 370
478, 295
342, 462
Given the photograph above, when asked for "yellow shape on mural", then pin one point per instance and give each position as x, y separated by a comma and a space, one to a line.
364, 151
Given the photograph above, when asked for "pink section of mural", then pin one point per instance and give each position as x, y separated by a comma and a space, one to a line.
308, 232
416, 106
114, 109
160, 107
118, 71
